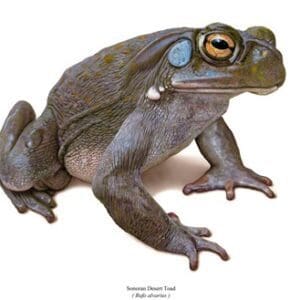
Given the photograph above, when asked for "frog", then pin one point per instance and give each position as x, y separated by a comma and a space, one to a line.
128, 108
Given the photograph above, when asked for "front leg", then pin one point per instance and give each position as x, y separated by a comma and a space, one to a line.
227, 171
119, 187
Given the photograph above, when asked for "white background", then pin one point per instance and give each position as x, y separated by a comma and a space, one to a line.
84, 255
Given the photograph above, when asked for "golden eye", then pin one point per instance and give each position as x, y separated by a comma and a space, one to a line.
219, 45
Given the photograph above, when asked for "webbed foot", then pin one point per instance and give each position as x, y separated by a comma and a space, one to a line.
40, 202
228, 179
188, 241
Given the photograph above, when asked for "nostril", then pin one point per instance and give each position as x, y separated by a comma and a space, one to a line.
262, 33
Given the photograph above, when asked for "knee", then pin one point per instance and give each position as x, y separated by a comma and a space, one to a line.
14, 173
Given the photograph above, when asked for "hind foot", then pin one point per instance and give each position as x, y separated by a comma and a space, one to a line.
40, 202
29, 167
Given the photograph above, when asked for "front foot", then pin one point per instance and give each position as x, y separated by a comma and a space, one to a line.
40, 202
228, 179
188, 241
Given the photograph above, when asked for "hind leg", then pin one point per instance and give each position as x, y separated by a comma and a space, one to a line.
29, 169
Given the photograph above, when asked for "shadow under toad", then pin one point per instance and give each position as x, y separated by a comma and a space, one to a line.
174, 173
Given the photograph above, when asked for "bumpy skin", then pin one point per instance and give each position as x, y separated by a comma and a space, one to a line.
131, 106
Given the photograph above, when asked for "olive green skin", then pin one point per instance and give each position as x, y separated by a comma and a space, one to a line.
101, 126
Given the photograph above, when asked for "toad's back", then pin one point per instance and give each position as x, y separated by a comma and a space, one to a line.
98, 80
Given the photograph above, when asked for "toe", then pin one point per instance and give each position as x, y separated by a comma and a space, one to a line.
193, 257
199, 188
259, 186
16, 200
266, 180
203, 231
34, 205
269, 192
19, 205
174, 217
204, 245
199, 231
263, 179
200, 185
44, 198
229, 189
188, 189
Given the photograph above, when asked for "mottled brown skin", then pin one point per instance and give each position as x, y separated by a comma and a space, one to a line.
129, 107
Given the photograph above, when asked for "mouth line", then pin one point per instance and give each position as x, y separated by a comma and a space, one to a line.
229, 90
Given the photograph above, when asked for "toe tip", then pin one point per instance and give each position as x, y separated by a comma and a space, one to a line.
51, 219
225, 256
207, 233
187, 190
194, 265
53, 204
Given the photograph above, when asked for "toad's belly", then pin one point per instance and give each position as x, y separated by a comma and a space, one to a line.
82, 162
83, 165
83, 155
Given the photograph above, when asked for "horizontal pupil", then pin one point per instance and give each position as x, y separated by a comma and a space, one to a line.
220, 44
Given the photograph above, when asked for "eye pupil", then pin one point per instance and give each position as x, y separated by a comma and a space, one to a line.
220, 44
